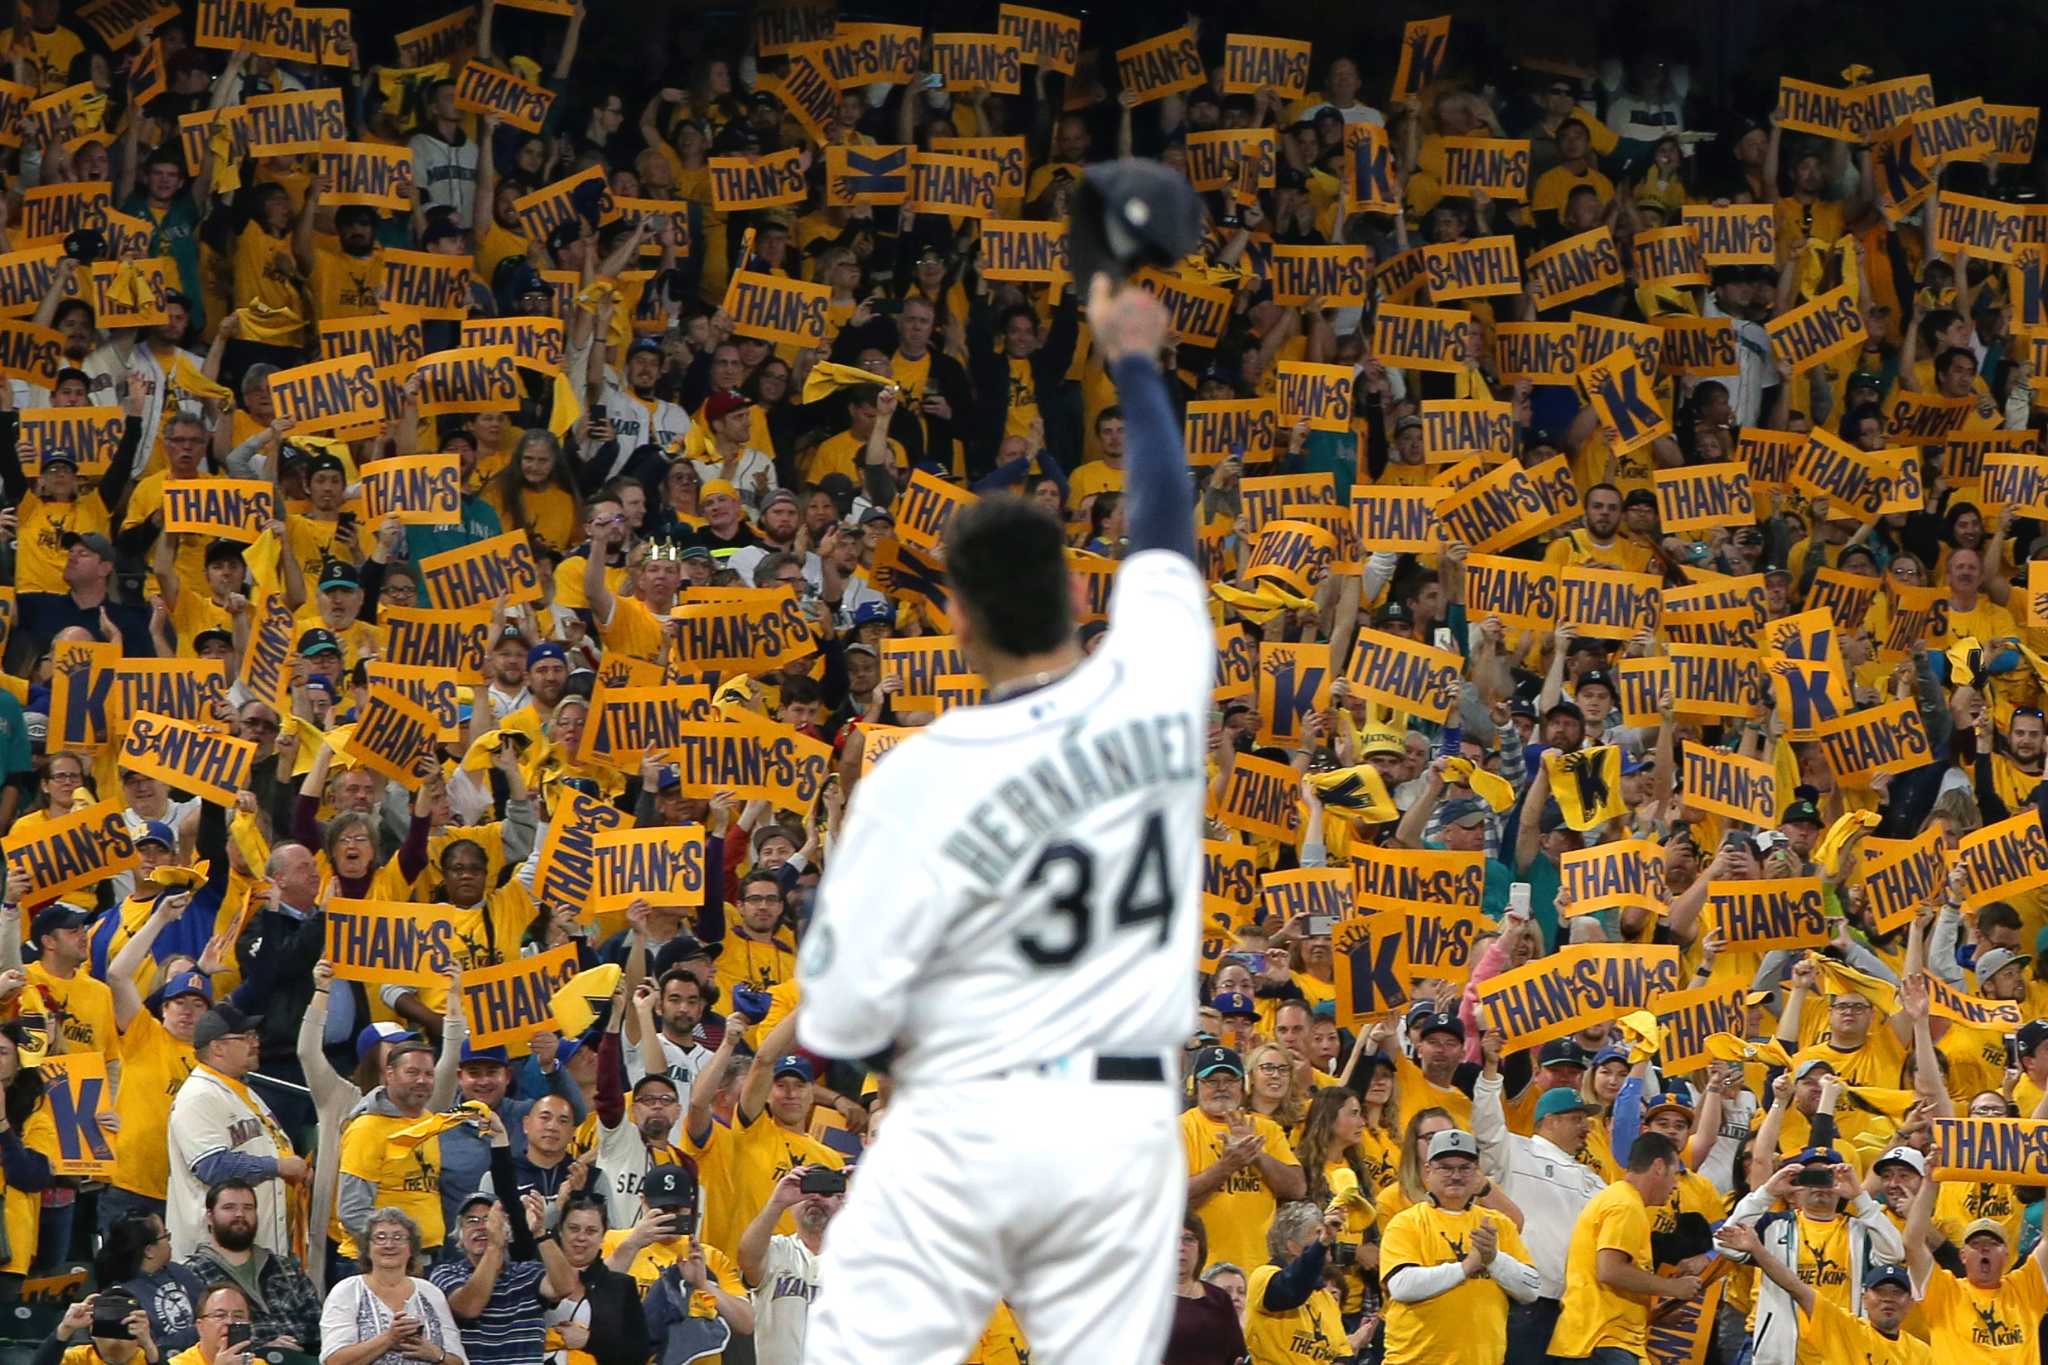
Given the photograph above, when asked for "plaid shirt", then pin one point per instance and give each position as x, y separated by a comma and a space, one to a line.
285, 1303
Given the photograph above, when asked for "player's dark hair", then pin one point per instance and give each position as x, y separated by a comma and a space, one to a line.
1649, 1149
675, 974
1997, 915
1191, 1223
1006, 560
214, 1192
1113, 413
1951, 356
589, 1203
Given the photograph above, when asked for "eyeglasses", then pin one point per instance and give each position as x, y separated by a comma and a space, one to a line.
760, 900
227, 1315
1273, 1068
476, 1220
388, 1239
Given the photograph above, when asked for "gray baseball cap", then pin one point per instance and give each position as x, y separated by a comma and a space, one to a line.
1453, 1142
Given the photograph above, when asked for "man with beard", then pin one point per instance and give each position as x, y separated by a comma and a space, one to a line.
547, 674
777, 531
633, 625
2006, 774
345, 283
56, 507
284, 1304
378, 1173
637, 416
782, 1270
731, 458
1599, 544
670, 1047
601, 510
630, 1145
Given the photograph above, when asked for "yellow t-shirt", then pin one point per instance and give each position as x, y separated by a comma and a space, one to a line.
552, 518
1578, 550
347, 286
842, 454
1594, 1315
267, 280
153, 1066
757, 1155
657, 1257
1418, 1092
83, 1008
632, 630
750, 962
1022, 399
1237, 1213
483, 936
1998, 1327
407, 1179
1823, 1264
1553, 188
24, 1208
1839, 1336
1096, 476
1311, 1333
1959, 1203
1465, 1324
496, 246
40, 552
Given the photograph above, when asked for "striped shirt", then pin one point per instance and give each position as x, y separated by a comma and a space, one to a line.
510, 1329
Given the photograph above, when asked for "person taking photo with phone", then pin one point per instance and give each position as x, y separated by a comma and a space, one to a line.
781, 1271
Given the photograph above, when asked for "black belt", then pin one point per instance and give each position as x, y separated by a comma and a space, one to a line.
1134, 1069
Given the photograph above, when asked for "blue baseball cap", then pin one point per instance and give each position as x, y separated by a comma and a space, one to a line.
793, 1065
185, 983
868, 613
1235, 1005
544, 651
1561, 1099
473, 1053
1893, 1275
1807, 1156
373, 1034
156, 832
1608, 1054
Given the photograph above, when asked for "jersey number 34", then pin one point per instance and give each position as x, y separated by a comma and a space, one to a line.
1145, 897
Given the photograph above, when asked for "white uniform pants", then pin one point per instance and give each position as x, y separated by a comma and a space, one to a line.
1062, 1196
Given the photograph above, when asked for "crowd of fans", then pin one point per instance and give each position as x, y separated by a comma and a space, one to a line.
307, 1163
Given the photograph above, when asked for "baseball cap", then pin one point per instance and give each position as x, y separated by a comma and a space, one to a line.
1213, 1059
1380, 742
692, 552
91, 540
1409, 422
186, 983
1800, 812
472, 1053
325, 462
222, 1021
221, 550
1235, 1005
335, 574
1984, 1227
1561, 1052
1443, 1022
1675, 1101
669, 1186
1567, 708
565, 233
207, 637
319, 641
877, 514
1594, 677
793, 1065
545, 651
871, 613
1909, 1157
1865, 379
1809, 1156
156, 832
60, 455
2032, 1034
779, 495
1561, 1099
724, 403
372, 1034
1609, 1054
1394, 613
1453, 1142
1466, 810
1990, 964
52, 918
1810, 1065
1894, 1275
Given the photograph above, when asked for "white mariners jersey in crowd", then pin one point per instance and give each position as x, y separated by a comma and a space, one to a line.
1022, 880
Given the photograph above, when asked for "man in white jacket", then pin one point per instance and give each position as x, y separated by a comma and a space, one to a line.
1546, 1182
1820, 1188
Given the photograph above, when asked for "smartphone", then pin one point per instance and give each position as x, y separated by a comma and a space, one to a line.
597, 413
885, 308
1319, 926
822, 1180
1518, 897
1251, 962
1815, 1177
2012, 1052
239, 1333
1445, 640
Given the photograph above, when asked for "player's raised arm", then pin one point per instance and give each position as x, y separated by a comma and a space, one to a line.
1129, 327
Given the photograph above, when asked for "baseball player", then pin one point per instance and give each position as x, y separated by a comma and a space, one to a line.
1010, 916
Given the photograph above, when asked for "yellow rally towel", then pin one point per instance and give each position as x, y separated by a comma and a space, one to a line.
828, 377
1359, 793
1261, 606
479, 756
186, 379
433, 1125
1726, 1047
576, 1001
564, 411
1491, 788
1838, 978
170, 878
1828, 853
1645, 1039
1587, 785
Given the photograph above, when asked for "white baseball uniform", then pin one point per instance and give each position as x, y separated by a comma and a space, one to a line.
1013, 909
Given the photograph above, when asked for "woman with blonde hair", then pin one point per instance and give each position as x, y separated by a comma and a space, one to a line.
1407, 1187
1274, 1086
